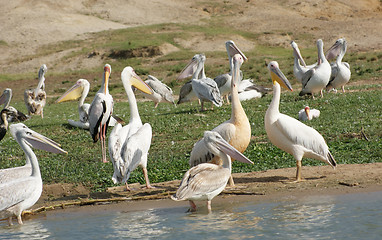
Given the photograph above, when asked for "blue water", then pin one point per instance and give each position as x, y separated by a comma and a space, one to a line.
351, 216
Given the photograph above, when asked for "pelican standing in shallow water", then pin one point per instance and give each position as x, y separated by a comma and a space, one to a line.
207, 180
289, 134
13, 115
308, 114
236, 130
129, 145
100, 112
161, 92
21, 193
35, 99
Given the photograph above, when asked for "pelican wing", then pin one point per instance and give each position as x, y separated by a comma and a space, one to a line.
207, 89
307, 76
186, 93
99, 113
222, 79
11, 174
161, 88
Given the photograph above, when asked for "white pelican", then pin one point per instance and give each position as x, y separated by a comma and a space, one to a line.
236, 130
161, 92
129, 145
298, 69
21, 193
308, 114
35, 98
289, 134
13, 115
207, 180
205, 88
340, 70
100, 112
80, 91
315, 79
248, 90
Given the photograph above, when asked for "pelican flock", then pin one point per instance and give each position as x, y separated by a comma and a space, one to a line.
35, 99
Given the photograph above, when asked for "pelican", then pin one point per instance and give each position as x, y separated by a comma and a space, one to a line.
224, 83
129, 145
298, 69
4, 123
80, 91
205, 88
248, 90
236, 130
161, 92
308, 114
186, 94
21, 193
100, 111
207, 180
13, 115
289, 134
340, 70
35, 98
316, 78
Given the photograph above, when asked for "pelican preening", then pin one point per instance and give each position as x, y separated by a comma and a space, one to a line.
13, 115
207, 180
22, 191
204, 88
308, 114
129, 145
100, 111
35, 98
289, 134
236, 130
161, 92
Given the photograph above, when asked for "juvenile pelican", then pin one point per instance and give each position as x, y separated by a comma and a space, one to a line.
129, 145
315, 79
340, 70
205, 88
236, 130
35, 98
21, 193
100, 111
289, 134
308, 114
13, 115
161, 92
207, 180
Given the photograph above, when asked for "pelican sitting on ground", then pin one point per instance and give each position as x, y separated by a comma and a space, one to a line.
340, 70
308, 114
100, 112
21, 193
315, 79
35, 98
205, 88
248, 90
207, 180
236, 130
289, 134
13, 115
80, 91
129, 145
161, 92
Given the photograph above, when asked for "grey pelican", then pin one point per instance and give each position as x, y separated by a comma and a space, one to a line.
308, 114
340, 70
13, 115
80, 91
205, 88
100, 111
289, 134
20, 193
236, 130
207, 180
161, 92
129, 145
35, 99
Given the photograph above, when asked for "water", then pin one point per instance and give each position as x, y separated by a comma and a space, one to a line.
351, 216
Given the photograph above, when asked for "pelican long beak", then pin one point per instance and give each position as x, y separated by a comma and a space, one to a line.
307, 111
3, 98
225, 147
189, 70
232, 49
71, 94
296, 53
278, 76
334, 50
138, 83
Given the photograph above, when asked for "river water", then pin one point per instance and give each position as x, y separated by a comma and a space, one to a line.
350, 216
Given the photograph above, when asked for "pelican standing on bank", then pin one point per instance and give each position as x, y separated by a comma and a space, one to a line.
100, 111
289, 134
161, 92
236, 130
13, 115
129, 145
207, 180
340, 70
308, 114
19, 194
35, 99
